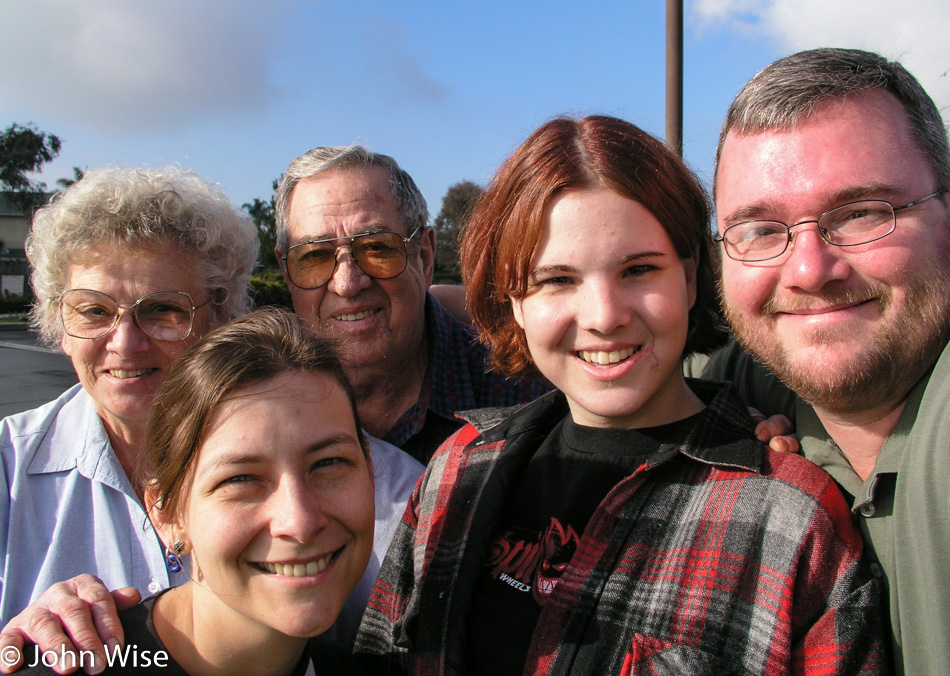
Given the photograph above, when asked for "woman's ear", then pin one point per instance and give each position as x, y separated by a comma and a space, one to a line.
517, 311
165, 524
689, 267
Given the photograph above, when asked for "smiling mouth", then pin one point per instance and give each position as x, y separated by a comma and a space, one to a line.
120, 373
606, 358
297, 569
355, 317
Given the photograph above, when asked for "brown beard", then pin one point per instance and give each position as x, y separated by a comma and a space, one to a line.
893, 363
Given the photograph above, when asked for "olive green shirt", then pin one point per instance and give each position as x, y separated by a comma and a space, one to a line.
902, 509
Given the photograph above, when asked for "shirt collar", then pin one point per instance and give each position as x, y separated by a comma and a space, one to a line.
76, 439
726, 416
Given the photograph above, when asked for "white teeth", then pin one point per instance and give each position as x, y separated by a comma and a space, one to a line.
119, 373
604, 358
354, 317
298, 569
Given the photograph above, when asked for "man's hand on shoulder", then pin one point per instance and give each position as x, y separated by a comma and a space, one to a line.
73, 616
776, 431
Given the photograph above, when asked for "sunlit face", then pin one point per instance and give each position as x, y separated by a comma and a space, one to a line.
606, 311
278, 516
848, 328
378, 321
122, 370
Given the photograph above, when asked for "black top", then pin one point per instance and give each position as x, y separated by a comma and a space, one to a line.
544, 518
144, 652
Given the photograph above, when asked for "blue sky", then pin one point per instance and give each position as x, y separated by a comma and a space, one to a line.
235, 89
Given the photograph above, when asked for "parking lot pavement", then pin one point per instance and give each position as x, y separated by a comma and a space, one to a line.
30, 374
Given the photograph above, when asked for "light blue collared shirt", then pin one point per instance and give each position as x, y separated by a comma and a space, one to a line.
67, 507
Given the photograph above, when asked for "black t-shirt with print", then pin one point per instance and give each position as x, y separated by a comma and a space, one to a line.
541, 524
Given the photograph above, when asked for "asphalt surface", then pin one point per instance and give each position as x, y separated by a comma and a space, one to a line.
30, 374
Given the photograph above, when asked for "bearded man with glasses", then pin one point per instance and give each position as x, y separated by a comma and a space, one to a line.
358, 254
831, 198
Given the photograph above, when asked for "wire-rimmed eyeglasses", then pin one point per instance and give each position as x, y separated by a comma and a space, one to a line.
167, 315
848, 225
381, 255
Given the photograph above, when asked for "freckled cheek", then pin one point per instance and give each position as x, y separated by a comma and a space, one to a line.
228, 534
665, 318
547, 323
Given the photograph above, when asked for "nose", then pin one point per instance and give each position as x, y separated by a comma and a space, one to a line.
602, 307
127, 337
295, 510
348, 279
811, 262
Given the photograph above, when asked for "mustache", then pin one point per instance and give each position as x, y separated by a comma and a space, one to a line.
807, 302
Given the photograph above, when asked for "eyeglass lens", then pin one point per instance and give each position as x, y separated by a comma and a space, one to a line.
848, 225
91, 314
380, 255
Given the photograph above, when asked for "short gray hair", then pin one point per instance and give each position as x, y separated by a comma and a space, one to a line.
142, 209
409, 200
788, 90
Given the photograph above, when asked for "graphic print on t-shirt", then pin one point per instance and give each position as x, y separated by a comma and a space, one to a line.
534, 562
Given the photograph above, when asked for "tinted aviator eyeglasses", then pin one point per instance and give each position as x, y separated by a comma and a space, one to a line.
848, 225
381, 255
167, 315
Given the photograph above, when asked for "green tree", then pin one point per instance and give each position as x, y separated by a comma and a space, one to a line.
77, 176
264, 215
456, 210
25, 149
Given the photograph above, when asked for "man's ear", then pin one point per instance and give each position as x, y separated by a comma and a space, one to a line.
283, 265
427, 253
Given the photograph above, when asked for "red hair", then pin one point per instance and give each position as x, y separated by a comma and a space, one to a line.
498, 244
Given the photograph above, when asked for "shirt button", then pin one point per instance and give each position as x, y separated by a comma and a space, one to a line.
876, 570
867, 509
154, 586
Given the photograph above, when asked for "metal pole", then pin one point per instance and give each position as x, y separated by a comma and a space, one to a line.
674, 76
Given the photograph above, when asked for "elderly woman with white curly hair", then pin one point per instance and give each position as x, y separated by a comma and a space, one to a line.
130, 267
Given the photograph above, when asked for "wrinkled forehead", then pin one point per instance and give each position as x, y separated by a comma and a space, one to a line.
343, 203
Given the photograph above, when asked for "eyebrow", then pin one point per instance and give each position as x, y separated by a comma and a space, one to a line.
244, 460
623, 261
369, 230
764, 209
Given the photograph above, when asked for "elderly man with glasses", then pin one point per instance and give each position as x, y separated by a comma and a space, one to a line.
831, 198
357, 252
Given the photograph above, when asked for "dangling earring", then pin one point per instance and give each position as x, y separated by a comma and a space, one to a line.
172, 556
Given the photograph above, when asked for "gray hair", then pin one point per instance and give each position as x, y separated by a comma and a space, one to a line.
409, 201
142, 209
788, 90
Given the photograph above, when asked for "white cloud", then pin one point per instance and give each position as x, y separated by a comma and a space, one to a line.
394, 66
911, 31
135, 65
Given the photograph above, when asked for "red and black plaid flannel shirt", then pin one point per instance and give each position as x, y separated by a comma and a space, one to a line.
716, 557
